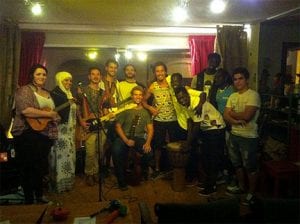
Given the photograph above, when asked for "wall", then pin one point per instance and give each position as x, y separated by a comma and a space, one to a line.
272, 35
253, 51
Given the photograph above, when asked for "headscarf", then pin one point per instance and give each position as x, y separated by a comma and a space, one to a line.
59, 77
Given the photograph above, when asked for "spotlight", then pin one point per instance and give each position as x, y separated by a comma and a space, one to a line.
36, 9
117, 56
128, 54
92, 55
179, 14
217, 6
142, 56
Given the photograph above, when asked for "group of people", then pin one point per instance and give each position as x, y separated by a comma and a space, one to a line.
118, 117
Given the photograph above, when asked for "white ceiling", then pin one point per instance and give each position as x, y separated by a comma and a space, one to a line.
141, 15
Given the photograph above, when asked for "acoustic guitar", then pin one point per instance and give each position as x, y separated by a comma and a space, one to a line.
40, 123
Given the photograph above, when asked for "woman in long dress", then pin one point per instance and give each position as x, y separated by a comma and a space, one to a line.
63, 155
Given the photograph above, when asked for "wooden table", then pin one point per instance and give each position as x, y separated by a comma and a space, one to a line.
31, 213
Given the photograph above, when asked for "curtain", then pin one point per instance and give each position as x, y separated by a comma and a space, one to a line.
9, 68
32, 44
232, 46
200, 47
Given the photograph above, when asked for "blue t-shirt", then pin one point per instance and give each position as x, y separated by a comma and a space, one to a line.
222, 97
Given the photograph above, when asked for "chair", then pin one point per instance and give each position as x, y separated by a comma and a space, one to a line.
279, 171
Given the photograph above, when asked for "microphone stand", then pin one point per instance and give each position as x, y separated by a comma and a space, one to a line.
99, 141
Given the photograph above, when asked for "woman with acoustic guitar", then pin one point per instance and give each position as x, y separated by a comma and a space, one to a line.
63, 155
33, 140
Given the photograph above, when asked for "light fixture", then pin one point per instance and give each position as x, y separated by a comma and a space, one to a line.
92, 55
217, 6
117, 56
36, 7
142, 56
128, 54
179, 13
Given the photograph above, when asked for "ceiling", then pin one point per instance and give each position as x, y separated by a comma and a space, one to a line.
142, 15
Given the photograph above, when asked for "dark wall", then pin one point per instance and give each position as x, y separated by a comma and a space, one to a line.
272, 35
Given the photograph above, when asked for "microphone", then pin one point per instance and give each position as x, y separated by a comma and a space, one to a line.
79, 84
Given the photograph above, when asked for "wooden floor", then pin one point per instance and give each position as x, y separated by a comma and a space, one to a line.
152, 191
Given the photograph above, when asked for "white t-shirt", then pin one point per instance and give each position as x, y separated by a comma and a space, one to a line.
237, 102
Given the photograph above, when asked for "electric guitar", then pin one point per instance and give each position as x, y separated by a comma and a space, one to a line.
95, 123
40, 123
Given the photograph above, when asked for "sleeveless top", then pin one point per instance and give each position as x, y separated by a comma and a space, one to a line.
163, 102
44, 102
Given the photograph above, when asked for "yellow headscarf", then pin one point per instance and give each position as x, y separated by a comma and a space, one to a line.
59, 77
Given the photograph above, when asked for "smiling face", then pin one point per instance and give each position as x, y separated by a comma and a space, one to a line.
160, 73
137, 96
129, 71
183, 98
67, 83
39, 77
176, 80
111, 69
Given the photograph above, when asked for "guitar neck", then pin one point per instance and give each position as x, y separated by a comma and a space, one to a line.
62, 106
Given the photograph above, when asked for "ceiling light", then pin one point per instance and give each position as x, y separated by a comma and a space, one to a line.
117, 56
128, 54
36, 9
142, 56
179, 14
217, 6
92, 55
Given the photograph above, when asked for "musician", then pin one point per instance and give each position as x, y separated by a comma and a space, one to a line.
32, 147
62, 155
111, 87
130, 127
129, 82
91, 105
212, 126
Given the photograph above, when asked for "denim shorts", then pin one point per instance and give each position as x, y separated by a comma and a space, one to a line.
243, 152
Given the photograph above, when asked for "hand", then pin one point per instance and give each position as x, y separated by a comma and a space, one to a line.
85, 125
53, 115
241, 122
198, 109
154, 111
147, 148
130, 143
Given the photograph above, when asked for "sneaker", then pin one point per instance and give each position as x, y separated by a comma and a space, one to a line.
191, 183
201, 186
42, 200
207, 191
248, 200
234, 190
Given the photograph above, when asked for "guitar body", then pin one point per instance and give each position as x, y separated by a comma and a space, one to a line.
39, 123
81, 134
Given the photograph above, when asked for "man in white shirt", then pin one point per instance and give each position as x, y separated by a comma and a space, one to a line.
242, 110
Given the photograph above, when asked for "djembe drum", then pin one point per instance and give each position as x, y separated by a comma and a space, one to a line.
178, 155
